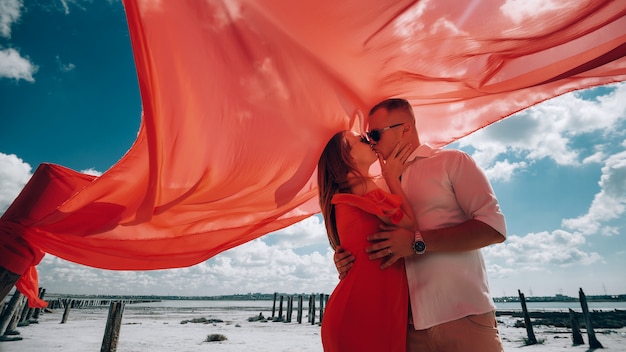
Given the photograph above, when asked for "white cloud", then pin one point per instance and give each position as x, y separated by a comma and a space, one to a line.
251, 267
10, 12
595, 158
574, 130
92, 172
497, 271
64, 67
77, 3
503, 170
13, 65
271, 268
549, 130
308, 232
14, 173
538, 251
66, 7
608, 204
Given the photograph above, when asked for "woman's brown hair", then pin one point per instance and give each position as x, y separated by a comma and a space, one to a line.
332, 177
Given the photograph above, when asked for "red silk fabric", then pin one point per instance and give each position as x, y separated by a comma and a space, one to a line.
240, 97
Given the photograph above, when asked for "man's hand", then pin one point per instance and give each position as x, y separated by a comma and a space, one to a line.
391, 244
343, 261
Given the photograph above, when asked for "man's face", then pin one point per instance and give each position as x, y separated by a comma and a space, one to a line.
390, 127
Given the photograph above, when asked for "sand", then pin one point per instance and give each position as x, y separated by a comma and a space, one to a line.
161, 330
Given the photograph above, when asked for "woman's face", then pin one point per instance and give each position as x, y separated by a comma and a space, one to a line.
360, 150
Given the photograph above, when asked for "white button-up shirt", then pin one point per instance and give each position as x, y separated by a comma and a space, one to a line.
445, 188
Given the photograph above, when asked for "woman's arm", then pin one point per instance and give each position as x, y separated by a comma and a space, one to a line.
392, 169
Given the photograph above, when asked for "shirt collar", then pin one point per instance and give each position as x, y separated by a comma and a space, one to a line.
423, 151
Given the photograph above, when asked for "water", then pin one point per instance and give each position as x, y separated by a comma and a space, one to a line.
218, 304
266, 305
561, 306
235, 309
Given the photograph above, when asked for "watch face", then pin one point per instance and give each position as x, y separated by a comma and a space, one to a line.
419, 246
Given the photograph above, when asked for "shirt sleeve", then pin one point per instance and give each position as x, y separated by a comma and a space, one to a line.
475, 194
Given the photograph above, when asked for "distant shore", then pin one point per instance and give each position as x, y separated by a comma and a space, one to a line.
548, 315
271, 296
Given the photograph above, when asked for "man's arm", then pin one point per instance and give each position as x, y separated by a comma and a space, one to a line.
343, 261
469, 235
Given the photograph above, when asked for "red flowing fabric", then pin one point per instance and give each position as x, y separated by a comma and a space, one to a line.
240, 97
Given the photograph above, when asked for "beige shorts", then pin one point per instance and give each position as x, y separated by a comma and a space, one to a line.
474, 333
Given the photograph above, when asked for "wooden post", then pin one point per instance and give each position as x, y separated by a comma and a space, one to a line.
42, 293
10, 311
11, 329
274, 305
312, 309
66, 312
532, 340
308, 311
112, 331
577, 337
280, 309
299, 316
321, 307
24, 315
7, 281
591, 335
54, 304
289, 308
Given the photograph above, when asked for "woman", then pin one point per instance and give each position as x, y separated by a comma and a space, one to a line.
368, 309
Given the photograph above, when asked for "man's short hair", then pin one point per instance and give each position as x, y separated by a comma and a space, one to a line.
393, 104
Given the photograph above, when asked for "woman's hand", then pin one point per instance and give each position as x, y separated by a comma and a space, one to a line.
392, 169
394, 165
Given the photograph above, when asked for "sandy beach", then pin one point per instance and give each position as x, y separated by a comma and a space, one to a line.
153, 330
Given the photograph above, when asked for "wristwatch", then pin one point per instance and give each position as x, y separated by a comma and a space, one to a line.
418, 245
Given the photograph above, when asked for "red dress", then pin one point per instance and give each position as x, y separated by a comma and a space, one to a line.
368, 310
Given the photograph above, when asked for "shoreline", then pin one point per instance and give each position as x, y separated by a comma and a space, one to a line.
601, 319
146, 329
271, 296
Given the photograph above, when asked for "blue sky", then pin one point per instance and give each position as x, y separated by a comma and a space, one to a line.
69, 96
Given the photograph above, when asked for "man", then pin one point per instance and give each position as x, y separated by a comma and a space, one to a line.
457, 214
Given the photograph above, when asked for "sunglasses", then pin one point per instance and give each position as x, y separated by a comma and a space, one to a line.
362, 139
374, 135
